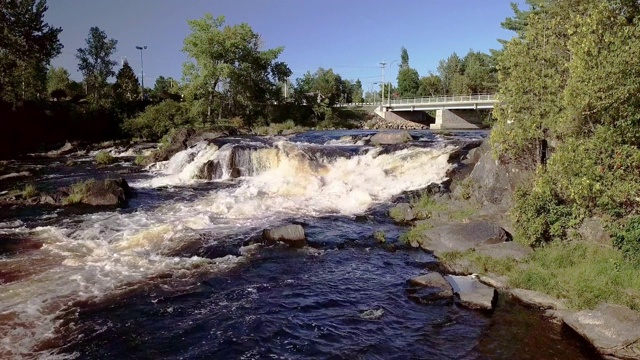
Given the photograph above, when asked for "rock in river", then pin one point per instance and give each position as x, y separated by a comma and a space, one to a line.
390, 138
613, 330
292, 235
461, 237
473, 294
430, 287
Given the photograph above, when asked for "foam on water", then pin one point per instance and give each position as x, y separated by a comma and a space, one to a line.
105, 253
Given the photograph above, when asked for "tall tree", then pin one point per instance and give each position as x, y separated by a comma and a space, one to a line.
95, 63
58, 78
228, 71
450, 71
357, 92
480, 72
27, 45
404, 58
430, 85
126, 87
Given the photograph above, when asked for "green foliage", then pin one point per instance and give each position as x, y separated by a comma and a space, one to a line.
27, 46
78, 191
582, 274
415, 235
227, 71
278, 128
541, 215
104, 158
95, 63
126, 87
424, 206
396, 214
380, 236
30, 191
156, 121
430, 85
626, 238
572, 78
408, 82
58, 78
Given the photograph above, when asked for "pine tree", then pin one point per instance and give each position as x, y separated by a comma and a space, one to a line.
126, 87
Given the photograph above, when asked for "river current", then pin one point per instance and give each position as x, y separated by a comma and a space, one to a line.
180, 273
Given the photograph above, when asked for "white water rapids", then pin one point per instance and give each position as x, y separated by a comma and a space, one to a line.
90, 257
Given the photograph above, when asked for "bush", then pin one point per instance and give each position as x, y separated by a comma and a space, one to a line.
104, 158
626, 238
29, 191
157, 120
78, 191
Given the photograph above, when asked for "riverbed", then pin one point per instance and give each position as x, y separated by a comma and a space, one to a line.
181, 273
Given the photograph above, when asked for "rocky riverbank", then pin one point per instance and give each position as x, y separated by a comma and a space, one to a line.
467, 229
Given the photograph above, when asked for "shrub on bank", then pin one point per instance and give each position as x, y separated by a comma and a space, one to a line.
157, 120
104, 158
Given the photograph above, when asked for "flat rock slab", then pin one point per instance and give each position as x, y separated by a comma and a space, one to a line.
462, 237
537, 299
473, 294
613, 330
402, 212
430, 287
505, 250
292, 235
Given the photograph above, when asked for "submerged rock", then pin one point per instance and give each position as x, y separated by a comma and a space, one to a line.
613, 330
391, 138
372, 314
461, 237
292, 235
472, 293
430, 287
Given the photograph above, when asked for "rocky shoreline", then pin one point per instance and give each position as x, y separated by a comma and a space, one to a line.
486, 186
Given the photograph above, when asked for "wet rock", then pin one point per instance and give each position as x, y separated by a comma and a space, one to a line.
537, 299
593, 229
198, 137
210, 171
66, 149
402, 213
472, 293
372, 314
461, 237
391, 138
177, 142
113, 192
292, 235
15, 175
430, 287
612, 329
505, 250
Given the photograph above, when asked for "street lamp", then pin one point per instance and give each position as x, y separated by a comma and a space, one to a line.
141, 48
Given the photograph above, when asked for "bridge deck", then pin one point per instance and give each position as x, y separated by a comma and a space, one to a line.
437, 103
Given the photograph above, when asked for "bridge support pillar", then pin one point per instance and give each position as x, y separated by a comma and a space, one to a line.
457, 119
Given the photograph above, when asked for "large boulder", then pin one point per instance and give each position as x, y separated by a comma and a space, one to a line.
113, 192
198, 137
492, 181
178, 141
612, 329
391, 138
430, 287
472, 293
292, 235
461, 237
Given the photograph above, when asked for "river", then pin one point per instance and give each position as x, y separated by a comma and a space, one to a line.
180, 273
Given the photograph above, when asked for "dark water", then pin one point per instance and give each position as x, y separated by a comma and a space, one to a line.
342, 297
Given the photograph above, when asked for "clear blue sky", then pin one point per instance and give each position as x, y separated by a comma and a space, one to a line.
351, 37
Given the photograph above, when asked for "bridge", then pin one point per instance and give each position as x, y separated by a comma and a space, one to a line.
452, 112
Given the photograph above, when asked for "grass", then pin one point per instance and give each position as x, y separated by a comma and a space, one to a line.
380, 236
77, 192
104, 158
425, 206
583, 274
415, 234
140, 160
397, 214
29, 191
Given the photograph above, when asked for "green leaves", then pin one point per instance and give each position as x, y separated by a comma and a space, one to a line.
96, 65
228, 72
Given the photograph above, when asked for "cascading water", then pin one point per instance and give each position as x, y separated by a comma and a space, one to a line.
96, 258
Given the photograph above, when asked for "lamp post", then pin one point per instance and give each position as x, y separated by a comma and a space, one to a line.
141, 48
382, 65
389, 97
